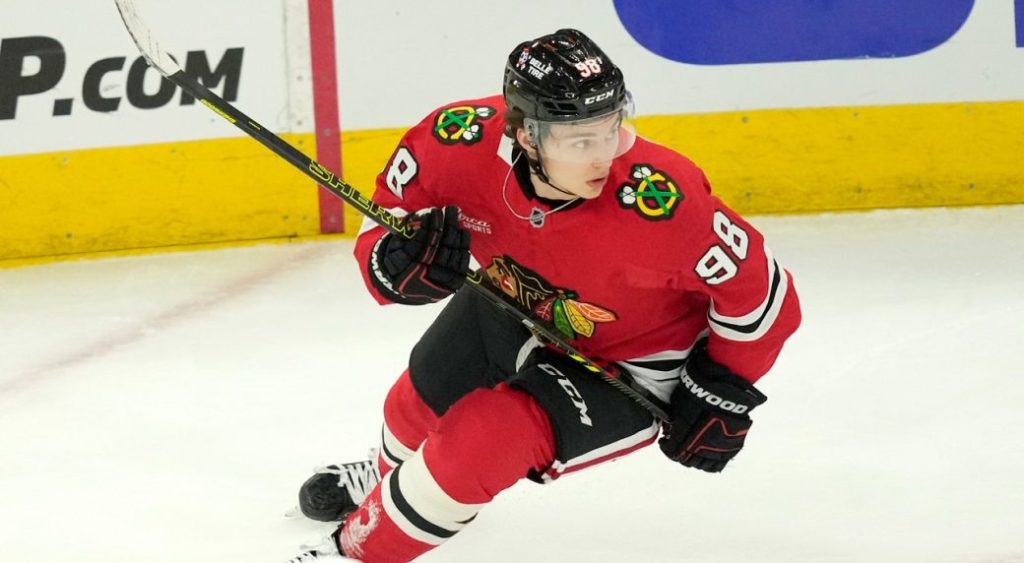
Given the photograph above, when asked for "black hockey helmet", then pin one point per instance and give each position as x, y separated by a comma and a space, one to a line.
564, 80
563, 76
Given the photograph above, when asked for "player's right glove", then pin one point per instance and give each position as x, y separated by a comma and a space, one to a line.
427, 267
710, 414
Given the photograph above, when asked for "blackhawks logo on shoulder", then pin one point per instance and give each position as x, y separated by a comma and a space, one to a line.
654, 195
461, 124
556, 305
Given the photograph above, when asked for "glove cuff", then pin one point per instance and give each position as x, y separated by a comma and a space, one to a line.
713, 384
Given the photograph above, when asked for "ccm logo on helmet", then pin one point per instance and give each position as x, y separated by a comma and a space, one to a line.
597, 98
711, 398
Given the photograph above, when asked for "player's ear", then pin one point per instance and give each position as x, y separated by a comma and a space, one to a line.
523, 138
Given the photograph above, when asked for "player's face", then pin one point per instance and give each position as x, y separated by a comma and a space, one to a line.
578, 157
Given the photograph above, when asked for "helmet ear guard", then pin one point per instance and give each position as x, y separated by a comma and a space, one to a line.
532, 132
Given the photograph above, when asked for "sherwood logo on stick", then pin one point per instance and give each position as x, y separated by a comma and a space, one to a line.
32, 66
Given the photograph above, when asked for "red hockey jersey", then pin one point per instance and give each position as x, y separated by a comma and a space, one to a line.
636, 275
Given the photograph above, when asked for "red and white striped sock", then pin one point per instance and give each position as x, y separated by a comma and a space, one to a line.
484, 444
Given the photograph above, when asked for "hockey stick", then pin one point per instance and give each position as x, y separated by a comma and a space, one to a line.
172, 71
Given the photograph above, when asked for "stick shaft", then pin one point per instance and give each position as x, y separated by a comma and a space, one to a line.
330, 181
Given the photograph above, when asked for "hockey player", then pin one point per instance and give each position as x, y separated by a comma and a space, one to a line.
614, 241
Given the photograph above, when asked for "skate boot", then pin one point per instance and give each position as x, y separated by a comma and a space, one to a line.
336, 491
327, 550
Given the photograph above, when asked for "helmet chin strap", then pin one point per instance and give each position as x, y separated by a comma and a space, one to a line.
538, 168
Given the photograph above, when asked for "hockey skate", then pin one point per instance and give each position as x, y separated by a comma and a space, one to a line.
327, 550
335, 491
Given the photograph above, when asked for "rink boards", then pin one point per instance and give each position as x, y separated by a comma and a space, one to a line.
96, 155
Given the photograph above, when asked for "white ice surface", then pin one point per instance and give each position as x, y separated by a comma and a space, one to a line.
165, 409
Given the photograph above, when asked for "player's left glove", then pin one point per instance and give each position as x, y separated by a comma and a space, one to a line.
710, 414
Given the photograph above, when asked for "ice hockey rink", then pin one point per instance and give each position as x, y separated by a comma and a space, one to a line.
166, 407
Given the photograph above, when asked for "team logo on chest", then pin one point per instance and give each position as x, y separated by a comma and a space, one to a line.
558, 306
654, 195
461, 124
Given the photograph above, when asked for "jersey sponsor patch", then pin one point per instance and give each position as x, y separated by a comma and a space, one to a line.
558, 306
474, 224
461, 124
653, 194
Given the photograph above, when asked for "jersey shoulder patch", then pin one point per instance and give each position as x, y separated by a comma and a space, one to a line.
462, 123
651, 192
656, 181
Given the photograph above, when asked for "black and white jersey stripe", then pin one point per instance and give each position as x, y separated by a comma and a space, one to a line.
659, 373
758, 322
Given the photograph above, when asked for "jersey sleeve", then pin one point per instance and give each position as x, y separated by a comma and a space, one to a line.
404, 186
754, 307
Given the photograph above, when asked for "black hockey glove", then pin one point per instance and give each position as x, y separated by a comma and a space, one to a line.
710, 414
427, 267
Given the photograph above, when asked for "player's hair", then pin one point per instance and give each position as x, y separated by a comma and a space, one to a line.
513, 121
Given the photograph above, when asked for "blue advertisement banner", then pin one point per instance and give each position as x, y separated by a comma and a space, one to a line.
714, 32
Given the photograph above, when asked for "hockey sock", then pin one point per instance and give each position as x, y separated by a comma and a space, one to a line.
407, 420
484, 444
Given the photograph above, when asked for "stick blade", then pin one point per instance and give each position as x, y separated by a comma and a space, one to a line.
144, 39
